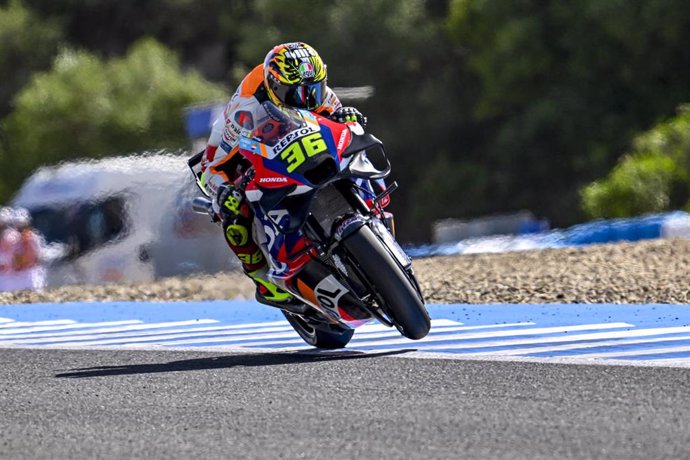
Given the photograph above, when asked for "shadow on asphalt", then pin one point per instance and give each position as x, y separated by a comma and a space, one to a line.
222, 362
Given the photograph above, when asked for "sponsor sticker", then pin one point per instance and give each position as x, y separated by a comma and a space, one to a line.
237, 235
306, 70
264, 180
299, 53
225, 146
290, 137
345, 224
231, 132
341, 140
328, 292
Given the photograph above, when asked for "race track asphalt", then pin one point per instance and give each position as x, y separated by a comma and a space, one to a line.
164, 404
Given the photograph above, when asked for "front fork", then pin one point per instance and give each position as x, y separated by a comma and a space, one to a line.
316, 282
335, 287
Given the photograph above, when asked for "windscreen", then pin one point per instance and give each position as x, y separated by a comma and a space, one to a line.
277, 125
278, 129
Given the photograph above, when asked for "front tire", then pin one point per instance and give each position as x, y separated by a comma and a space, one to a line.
400, 299
327, 337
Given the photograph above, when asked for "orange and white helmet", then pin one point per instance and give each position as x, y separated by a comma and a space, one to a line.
295, 75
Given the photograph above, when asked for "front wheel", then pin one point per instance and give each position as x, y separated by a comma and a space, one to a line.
396, 292
327, 336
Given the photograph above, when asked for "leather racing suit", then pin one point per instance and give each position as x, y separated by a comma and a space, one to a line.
223, 164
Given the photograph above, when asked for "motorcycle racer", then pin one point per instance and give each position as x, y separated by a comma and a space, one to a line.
9, 239
292, 75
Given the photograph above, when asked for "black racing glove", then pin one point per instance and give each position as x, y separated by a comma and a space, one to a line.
349, 114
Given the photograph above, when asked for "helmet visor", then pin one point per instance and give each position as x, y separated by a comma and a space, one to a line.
307, 96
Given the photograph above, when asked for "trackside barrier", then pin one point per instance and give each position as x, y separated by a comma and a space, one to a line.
665, 225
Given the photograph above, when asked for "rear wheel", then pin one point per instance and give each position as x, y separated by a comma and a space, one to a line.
326, 336
395, 290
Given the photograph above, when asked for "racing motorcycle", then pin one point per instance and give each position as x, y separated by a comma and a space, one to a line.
317, 192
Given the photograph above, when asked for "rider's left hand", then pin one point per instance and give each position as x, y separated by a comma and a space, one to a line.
229, 200
349, 114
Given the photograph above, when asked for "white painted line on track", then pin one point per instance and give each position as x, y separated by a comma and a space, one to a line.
668, 362
137, 327
92, 339
55, 322
579, 346
30, 331
233, 338
510, 333
408, 353
570, 338
358, 340
96, 335
643, 352
644, 335
682, 362
238, 336
436, 329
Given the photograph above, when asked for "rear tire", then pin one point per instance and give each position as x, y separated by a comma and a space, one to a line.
327, 336
400, 299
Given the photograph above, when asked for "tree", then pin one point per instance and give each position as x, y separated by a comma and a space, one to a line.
87, 107
484, 105
565, 86
653, 177
419, 108
27, 44
203, 33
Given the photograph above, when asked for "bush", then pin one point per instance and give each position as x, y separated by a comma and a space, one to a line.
87, 107
652, 178
27, 44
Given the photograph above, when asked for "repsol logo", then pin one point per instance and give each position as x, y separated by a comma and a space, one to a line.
290, 137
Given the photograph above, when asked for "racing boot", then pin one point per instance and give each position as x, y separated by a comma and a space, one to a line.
270, 294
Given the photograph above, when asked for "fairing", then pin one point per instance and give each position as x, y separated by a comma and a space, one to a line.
296, 155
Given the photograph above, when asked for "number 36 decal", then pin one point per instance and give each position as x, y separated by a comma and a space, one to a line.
296, 153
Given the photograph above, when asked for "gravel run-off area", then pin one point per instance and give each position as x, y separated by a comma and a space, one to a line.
652, 271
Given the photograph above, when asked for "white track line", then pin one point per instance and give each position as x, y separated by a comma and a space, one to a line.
219, 334
647, 352
115, 332
353, 344
55, 322
579, 346
6, 320
389, 332
280, 326
671, 362
30, 331
634, 333
484, 335
134, 337
234, 337
61, 336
